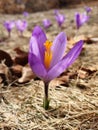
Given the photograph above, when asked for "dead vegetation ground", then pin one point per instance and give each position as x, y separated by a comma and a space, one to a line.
74, 103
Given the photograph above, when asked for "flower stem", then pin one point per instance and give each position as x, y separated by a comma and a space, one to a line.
46, 100
21, 33
9, 34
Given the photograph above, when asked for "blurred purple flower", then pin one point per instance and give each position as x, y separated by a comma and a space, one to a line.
88, 9
46, 23
56, 11
26, 14
60, 18
80, 19
9, 25
21, 25
47, 59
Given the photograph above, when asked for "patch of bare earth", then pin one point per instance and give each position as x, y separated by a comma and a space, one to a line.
74, 99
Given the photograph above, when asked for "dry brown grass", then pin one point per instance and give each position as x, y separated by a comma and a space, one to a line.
71, 108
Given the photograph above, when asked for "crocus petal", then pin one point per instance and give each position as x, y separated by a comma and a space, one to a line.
56, 11
81, 19
46, 23
34, 47
40, 36
21, 25
77, 20
88, 9
25, 14
60, 19
37, 66
84, 18
65, 62
58, 48
9, 25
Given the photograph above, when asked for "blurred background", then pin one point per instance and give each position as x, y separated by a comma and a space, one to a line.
18, 6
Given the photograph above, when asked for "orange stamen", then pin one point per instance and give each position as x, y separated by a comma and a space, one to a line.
48, 54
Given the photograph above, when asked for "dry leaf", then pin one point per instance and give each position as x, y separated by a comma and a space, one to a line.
16, 70
64, 78
69, 75
72, 41
27, 75
82, 85
56, 83
90, 69
4, 56
82, 74
86, 39
5, 74
94, 39
1, 80
85, 72
60, 81
21, 57
91, 40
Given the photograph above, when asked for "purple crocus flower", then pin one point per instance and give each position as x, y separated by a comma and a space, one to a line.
21, 25
9, 25
26, 14
81, 19
88, 9
46, 23
60, 18
47, 59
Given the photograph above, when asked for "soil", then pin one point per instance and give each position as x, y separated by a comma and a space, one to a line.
74, 104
